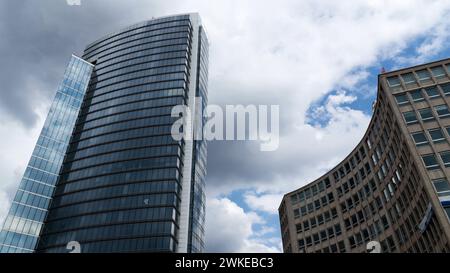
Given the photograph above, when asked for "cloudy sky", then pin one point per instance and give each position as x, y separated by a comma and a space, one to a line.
317, 59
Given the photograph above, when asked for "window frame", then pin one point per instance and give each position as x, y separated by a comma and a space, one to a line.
433, 166
423, 143
439, 139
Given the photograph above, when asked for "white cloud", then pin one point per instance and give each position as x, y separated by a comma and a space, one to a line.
230, 229
17, 145
263, 202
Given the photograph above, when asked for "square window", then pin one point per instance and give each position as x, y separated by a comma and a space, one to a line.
432, 92
410, 117
401, 99
436, 135
408, 78
420, 139
442, 187
393, 81
430, 161
446, 88
423, 75
416, 95
438, 71
445, 156
426, 114
442, 110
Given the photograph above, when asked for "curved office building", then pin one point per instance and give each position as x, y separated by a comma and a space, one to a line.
394, 187
125, 184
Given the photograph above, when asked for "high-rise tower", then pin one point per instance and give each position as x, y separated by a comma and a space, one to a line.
126, 185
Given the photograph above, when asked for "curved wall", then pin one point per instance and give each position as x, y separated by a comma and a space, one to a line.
383, 191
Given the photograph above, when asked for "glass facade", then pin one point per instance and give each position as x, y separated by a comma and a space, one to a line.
198, 198
28, 210
120, 186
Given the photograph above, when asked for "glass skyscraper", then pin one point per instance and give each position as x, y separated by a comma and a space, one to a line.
125, 185
28, 210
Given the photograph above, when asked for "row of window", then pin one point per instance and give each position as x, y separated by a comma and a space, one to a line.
27, 212
116, 191
352, 182
122, 75
317, 238
333, 248
165, 52
146, 214
131, 154
125, 116
426, 114
108, 232
127, 125
114, 93
156, 40
142, 70
135, 39
128, 202
351, 164
318, 220
435, 135
31, 199
138, 94
431, 162
123, 53
36, 186
112, 178
311, 207
139, 64
311, 191
152, 131
418, 76
136, 30
131, 81
356, 198
153, 244
417, 95
9, 238
122, 145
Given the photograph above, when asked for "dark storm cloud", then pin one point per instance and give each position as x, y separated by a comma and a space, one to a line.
37, 38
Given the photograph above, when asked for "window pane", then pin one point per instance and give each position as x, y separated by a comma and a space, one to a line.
446, 158
438, 71
423, 74
447, 210
393, 81
408, 78
410, 117
419, 138
442, 110
446, 88
426, 114
430, 161
416, 95
432, 91
401, 99
436, 135
441, 185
